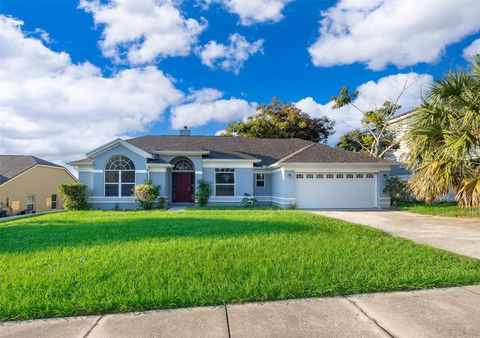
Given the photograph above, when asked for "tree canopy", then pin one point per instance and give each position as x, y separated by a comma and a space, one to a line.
376, 137
282, 120
444, 139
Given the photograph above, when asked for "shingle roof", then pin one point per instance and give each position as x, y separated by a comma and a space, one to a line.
268, 151
13, 165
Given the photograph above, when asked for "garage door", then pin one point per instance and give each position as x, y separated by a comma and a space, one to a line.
335, 190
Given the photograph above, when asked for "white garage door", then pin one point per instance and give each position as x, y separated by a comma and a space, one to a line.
335, 190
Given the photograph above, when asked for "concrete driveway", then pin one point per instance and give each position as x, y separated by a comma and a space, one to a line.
459, 235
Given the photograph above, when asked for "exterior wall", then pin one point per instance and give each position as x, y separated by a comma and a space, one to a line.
161, 179
243, 184
283, 188
383, 198
99, 167
40, 181
263, 194
86, 177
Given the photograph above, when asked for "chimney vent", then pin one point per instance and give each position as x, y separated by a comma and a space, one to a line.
184, 131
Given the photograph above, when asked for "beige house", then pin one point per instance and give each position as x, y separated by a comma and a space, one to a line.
29, 184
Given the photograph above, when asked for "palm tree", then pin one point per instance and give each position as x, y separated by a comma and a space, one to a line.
444, 139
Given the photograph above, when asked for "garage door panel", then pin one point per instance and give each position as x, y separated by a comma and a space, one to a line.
335, 192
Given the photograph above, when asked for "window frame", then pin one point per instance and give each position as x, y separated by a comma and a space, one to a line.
119, 184
370, 176
224, 170
34, 203
260, 180
53, 202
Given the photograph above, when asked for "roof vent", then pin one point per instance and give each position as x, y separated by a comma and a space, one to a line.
184, 131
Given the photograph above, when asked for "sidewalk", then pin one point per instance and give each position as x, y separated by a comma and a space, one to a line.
452, 312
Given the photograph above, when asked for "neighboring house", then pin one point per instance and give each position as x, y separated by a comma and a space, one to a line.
400, 124
29, 184
275, 171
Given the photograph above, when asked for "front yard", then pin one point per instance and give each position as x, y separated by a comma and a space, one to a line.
76, 263
439, 209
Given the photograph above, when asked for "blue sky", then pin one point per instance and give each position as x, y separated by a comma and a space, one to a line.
283, 66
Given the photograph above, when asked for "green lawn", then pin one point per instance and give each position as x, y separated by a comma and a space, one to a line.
76, 263
439, 209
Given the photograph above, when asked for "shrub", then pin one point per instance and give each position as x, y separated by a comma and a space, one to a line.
161, 203
73, 196
204, 192
292, 206
248, 201
398, 189
146, 194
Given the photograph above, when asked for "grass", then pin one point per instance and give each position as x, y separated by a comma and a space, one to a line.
77, 263
439, 209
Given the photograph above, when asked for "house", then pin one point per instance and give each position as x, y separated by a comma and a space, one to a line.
275, 171
400, 124
29, 184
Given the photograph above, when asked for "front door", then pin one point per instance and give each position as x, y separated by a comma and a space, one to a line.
183, 187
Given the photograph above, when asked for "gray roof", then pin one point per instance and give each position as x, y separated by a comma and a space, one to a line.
268, 151
13, 165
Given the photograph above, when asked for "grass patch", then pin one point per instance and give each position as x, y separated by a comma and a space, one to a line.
439, 209
77, 263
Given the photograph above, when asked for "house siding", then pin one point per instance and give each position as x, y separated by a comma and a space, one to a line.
263, 194
39, 181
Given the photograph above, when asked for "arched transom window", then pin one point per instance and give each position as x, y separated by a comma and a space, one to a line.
119, 176
183, 165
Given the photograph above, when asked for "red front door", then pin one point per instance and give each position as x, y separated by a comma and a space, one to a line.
183, 187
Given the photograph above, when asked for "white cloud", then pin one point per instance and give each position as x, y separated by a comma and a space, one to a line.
400, 32
53, 108
143, 30
473, 49
254, 11
229, 57
206, 105
371, 94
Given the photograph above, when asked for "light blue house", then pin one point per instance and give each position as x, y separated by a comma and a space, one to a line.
275, 171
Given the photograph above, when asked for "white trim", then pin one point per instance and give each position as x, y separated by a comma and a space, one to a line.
227, 163
349, 166
85, 169
234, 182
97, 171
264, 181
182, 152
140, 171
198, 172
157, 170
112, 144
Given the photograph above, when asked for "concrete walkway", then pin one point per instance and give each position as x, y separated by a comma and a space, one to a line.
453, 312
459, 235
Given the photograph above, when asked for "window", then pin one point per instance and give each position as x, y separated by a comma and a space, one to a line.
319, 175
339, 175
183, 165
119, 176
359, 175
349, 176
53, 201
224, 182
329, 175
369, 175
31, 203
299, 176
309, 175
260, 180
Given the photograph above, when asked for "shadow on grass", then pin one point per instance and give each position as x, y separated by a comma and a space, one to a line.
57, 233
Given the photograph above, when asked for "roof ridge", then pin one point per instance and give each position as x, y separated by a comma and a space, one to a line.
296, 152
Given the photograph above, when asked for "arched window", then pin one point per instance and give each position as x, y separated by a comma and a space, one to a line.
119, 176
183, 165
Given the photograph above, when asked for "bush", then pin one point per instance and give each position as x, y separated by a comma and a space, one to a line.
398, 189
161, 203
292, 206
73, 196
146, 194
248, 201
204, 192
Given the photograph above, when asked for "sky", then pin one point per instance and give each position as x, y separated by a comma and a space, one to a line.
77, 74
